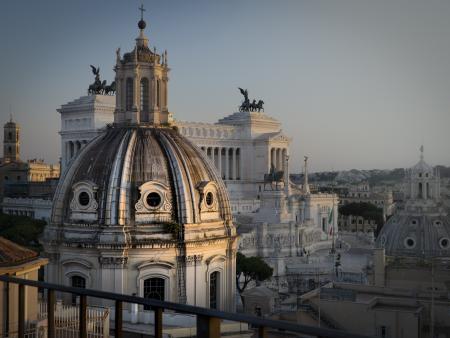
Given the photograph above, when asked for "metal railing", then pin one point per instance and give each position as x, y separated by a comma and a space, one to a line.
208, 320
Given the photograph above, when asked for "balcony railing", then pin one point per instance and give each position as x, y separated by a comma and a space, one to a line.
208, 320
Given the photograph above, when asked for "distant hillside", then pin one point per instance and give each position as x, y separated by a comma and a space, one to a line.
373, 176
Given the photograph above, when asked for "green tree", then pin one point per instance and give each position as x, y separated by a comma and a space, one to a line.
252, 269
366, 210
22, 230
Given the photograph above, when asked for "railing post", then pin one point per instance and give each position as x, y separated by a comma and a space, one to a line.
208, 327
21, 311
51, 313
118, 319
158, 322
262, 332
83, 317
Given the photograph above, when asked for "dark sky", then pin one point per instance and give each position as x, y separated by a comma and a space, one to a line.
357, 84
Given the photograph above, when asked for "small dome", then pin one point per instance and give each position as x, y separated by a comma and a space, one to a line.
422, 166
140, 176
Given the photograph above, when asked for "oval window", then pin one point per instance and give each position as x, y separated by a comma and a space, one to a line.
444, 243
84, 198
410, 243
154, 199
209, 199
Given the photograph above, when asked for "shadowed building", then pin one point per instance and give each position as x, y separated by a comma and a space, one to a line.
20, 262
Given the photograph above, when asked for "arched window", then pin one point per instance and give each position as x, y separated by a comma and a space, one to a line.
154, 289
10, 136
214, 290
77, 282
144, 95
9, 150
158, 94
419, 194
129, 94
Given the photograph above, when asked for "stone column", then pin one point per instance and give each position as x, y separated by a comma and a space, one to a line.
67, 152
136, 93
277, 163
238, 163
227, 164
220, 161
233, 166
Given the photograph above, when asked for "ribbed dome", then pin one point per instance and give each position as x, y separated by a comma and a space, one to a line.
420, 228
422, 234
422, 167
140, 176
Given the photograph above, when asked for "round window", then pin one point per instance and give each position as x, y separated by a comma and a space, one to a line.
154, 199
410, 243
209, 199
444, 243
84, 198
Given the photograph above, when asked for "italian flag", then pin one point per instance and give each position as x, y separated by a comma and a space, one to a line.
330, 221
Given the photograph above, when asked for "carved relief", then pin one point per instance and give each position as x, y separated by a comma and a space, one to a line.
154, 203
84, 201
208, 204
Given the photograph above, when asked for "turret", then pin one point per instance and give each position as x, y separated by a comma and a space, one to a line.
142, 81
11, 141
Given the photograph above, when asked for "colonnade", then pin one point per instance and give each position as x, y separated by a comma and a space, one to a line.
278, 158
73, 148
227, 161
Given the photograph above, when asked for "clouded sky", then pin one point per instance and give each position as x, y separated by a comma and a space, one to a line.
357, 84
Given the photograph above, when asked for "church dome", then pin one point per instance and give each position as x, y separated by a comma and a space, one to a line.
141, 175
419, 234
140, 209
420, 228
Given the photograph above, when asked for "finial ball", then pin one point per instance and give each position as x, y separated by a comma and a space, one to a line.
141, 24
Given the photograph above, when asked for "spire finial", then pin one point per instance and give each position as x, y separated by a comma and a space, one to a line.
141, 23
421, 152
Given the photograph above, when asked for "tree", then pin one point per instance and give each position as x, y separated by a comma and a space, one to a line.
22, 230
252, 269
366, 210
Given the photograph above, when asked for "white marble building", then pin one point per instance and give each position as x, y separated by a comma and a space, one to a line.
242, 146
81, 121
291, 222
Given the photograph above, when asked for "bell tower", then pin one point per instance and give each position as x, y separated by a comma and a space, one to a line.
141, 78
11, 141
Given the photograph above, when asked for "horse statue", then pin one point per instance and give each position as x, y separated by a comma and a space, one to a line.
246, 105
273, 177
98, 86
110, 88
259, 105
